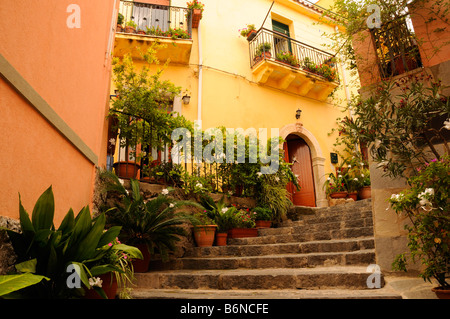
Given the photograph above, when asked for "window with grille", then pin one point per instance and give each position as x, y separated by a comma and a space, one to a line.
396, 48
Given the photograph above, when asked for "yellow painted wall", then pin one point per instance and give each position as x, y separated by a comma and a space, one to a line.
230, 95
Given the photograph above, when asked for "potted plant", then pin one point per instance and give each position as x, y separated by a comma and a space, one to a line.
243, 225
222, 216
204, 229
152, 226
130, 27
120, 18
52, 254
365, 190
335, 186
263, 217
263, 51
249, 32
426, 203
197, 9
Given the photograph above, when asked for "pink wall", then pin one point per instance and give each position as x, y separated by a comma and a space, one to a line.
69, 68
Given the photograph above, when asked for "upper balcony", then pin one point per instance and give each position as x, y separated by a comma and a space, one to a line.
141, 24
287, 64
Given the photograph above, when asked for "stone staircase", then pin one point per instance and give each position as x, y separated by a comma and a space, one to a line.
315, 253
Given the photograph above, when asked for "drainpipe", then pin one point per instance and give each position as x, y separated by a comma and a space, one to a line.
344, 78
200, 75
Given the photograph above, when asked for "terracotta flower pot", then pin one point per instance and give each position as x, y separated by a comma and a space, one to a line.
339, 195
263, 223
353, 195
141, 265
109, 286
196, 17
129, 29
251, 35
365, 192
441, 293
126, 169
221, 239
242, 232
204, 235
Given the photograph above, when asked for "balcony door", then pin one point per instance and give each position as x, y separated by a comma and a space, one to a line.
151, 16
281, 43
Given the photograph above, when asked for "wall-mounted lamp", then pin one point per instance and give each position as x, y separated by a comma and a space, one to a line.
298, 113
186, 99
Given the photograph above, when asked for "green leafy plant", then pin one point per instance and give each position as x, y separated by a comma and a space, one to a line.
156, 223
131, 23
263, 48
324, 69
43, 250
243, 219
194, 4
220, 212
335, 184
427, 203
288, 57
245, 31
262, 213
120, 18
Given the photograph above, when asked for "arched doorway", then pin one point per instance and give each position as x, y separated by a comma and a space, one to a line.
298, 153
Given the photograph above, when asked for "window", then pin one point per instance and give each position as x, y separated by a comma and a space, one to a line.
396, 48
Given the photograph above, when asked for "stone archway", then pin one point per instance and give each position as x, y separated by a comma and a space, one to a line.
317, 159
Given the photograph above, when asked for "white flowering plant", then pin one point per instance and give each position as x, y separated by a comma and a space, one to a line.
427, 204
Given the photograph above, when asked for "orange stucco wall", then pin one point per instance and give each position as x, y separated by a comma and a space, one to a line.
434, 44
70, 69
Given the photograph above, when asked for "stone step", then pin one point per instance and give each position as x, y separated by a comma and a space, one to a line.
343, 233
336, 277
268, 294
360, 257
305, 226
335, 245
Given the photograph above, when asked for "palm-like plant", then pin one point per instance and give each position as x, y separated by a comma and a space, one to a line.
156, 223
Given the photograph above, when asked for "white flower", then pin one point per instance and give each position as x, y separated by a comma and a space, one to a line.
329, 178
112, 141
95, 282
171, 205
259, 174
362, 164
447, 124
165, 191
277, 178
121, 181
362, 175
339, 176
355, 179
224, 210
199, 185
349, 166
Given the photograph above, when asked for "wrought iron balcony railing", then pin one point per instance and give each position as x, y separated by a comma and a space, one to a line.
274, 46
155, 20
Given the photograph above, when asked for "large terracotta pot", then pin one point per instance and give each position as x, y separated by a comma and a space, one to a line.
353, 195
109, 286
242, 232
204, 235
365, 192
141, 265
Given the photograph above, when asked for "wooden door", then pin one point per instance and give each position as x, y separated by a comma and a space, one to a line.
299, 154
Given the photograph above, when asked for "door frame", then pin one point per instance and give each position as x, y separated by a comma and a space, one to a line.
317, 159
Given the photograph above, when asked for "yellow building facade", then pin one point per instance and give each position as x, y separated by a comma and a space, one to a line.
230, 85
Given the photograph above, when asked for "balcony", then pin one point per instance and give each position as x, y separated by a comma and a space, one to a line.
142, 24
289, 65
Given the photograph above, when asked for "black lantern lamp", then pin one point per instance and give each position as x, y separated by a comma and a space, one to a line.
298, 113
